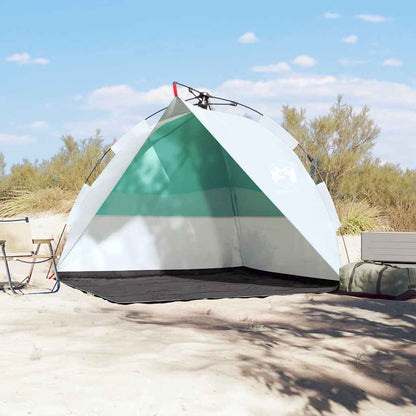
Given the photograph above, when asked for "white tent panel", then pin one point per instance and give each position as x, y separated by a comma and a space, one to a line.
279, 173
329, 204
125, 149
278, 131
103, 185
155, 243
175, 243
76, 209
274, 245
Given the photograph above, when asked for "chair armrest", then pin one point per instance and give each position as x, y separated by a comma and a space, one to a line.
41, 240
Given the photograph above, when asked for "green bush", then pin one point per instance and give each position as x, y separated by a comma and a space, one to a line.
70, 167
340, 144
51, 185
385, 186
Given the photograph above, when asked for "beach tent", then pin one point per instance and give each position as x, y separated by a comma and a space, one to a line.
198, 195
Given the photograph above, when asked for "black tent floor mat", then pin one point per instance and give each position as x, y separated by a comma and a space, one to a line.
136, 287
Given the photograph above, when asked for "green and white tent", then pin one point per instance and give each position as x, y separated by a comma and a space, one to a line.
203, 190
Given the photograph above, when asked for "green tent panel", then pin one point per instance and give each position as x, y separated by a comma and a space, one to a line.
182, 170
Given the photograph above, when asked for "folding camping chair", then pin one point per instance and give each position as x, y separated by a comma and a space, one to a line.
16, 243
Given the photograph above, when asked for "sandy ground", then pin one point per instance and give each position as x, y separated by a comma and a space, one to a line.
74, 354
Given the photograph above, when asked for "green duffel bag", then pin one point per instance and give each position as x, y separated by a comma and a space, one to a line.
377, 280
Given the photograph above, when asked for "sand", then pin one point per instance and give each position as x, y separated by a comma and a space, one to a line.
74, 354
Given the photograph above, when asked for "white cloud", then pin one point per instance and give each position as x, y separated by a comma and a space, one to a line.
305, 61
351, 62
392, 62
248, 37
392, 105
329, 15
295, 85
396, 142
20, 58
323, 87
120, 98
281, 66
42, 61
111, 127
373, 18
12, 139
24, 59
350, 39
39, 125
124, 108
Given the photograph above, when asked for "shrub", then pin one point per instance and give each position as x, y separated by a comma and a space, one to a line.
70, 167
387, 187
33, 187
357, 217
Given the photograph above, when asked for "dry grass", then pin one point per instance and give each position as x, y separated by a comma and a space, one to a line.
53, 200
357, 217
402, 217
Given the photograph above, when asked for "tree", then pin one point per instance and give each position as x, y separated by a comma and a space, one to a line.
338, 141
27, 175
2, 165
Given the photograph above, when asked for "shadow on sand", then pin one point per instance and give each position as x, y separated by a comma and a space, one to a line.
366, 352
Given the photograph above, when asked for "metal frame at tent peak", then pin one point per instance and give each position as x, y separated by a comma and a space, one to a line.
204, 97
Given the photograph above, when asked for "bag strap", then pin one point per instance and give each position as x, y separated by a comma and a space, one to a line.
410, 286
356, 265
381, 263
380, 275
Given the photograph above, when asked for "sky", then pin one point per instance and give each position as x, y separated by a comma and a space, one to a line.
74, 67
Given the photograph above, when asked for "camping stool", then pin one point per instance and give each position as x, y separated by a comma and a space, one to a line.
16, 238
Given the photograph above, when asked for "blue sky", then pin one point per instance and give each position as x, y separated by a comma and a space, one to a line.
73, 67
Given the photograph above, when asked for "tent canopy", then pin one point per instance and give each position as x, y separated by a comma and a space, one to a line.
203, 190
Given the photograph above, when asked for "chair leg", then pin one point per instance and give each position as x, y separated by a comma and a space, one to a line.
33, 265
6, 263
57, 284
